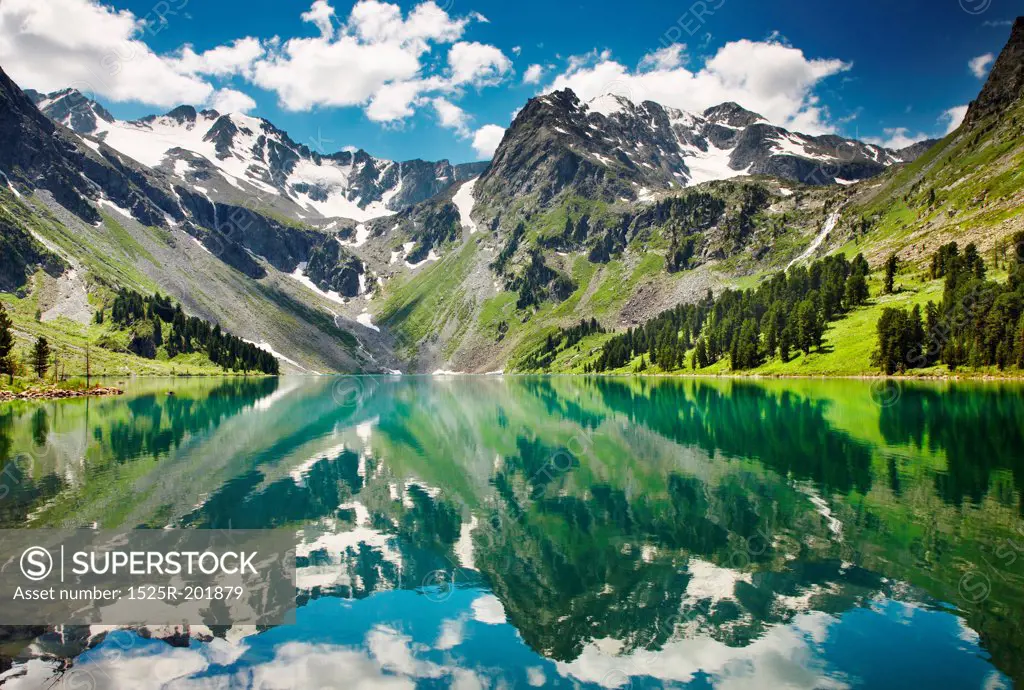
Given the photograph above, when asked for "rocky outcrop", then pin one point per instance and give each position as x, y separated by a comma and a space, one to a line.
36, 153
332, 267
428, 225
20, 253
1005, 84
231, 231
33, 154
71, 109
911, 153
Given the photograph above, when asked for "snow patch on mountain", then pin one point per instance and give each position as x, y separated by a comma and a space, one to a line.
712, 164
464, 202
149, 142
106, 203
10, 186
331, 190
299, 274
362, 235
669, 147
795, 145
608, 105
432, 256
365, 319
200, 245
254, 157
263, 345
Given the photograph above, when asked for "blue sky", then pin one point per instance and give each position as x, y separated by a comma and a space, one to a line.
429, 81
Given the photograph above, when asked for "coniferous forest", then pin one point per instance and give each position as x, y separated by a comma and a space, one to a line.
784, 315
156, 320
978, 323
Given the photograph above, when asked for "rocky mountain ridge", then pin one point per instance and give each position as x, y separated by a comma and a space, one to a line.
613, 147
227, 156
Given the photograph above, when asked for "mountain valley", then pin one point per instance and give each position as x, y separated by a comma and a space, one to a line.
343, 262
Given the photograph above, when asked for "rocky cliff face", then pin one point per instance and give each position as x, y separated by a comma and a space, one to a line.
21, 253
1005, 84
36, 153
71, 109
332, 267
561, 153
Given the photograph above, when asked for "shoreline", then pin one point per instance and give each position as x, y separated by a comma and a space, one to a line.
59, 393
992, 378
852, 377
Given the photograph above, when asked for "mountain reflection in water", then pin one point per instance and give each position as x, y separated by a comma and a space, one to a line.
554, 531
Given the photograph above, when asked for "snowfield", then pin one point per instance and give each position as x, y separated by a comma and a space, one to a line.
464, 201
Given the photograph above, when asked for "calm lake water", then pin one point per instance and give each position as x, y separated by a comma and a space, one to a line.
488, 532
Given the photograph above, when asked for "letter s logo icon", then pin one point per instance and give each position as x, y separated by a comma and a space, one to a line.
36, 563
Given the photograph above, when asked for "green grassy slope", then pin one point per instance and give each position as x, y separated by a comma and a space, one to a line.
968, 188
120, 252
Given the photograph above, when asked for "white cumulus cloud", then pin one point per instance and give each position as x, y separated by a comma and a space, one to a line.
376, 59
451, 116
321, 14
896, 138
773, 79
669, 57
226, 101
477, 64
901, 137
222, 61
533, 74
979, 65
953, 117
53, 44
486, 140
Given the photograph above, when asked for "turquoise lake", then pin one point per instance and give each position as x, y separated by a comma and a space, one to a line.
516, 532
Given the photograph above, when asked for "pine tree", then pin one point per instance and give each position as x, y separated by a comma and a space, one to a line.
807, 326
916, 338
785, 346
891, 266
1020, 343
900, 339
701, 355
891, 330
41, 357
745, 352
856, 292
1016, 267
933, 335
6, 345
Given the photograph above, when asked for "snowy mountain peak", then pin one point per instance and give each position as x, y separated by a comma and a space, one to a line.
733, 115
609, 105
183, 113
72, 109
657, 147
223, 155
